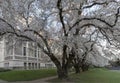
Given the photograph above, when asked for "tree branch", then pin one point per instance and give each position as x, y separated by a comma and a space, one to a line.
59, 5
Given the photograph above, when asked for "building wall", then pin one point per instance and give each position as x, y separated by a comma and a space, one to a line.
23, 55
2, 51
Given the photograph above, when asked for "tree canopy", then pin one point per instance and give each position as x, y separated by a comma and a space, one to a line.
69, 29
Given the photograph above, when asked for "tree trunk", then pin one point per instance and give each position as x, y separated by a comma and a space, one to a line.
85, 67
62, 71
77, 69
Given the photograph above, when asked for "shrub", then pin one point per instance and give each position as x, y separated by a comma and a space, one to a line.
115, 63
85, 66
4, 70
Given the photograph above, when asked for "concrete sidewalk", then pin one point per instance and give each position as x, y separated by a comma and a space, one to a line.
1, 81
43, 80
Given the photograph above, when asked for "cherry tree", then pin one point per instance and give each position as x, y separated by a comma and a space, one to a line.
62, 25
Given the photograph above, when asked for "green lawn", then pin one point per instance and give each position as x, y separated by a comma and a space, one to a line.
94, 76
25, 75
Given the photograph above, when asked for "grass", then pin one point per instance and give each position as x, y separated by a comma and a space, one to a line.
26, 75
94, 76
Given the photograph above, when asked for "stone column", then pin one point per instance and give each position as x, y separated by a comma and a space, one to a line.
13, 49
37, 58
27, 55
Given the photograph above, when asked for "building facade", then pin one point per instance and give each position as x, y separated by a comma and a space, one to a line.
22, 55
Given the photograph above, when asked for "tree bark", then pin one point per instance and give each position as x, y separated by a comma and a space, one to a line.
84, 67
62, 71
77, 69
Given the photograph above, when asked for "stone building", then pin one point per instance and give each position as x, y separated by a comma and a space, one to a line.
22, 55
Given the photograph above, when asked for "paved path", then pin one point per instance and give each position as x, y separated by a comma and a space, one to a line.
1, 81
43, 80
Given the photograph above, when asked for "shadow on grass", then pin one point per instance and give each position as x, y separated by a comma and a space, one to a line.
96, 75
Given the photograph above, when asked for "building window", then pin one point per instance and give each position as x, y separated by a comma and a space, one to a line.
39, 65
48, 65
6, 65
24, 51
25, 65
35, 53
36, 65
18, 48
29, 65
9, 48
31, 52
38, 53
